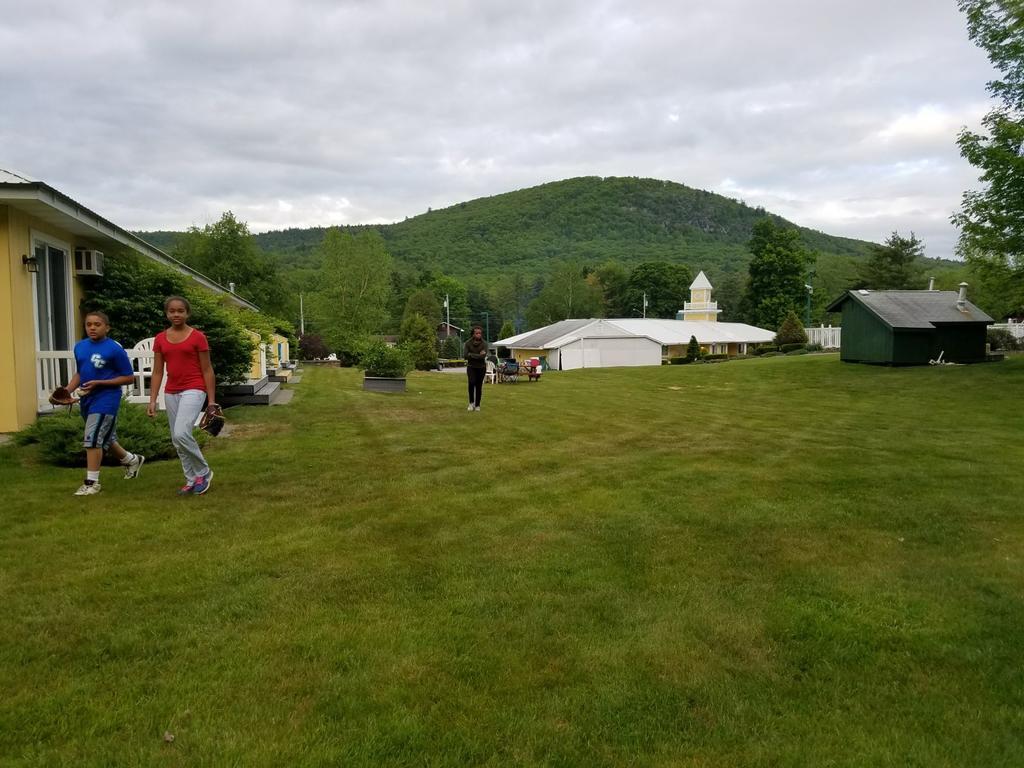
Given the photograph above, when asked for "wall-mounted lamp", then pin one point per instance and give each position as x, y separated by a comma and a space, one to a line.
31, 263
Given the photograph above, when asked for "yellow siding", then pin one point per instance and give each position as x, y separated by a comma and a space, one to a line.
254, 369
277, 343
522, 355
17, 315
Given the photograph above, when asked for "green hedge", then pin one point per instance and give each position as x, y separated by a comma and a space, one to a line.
679, 361
772, 353
763, 350
800, 351
378, 359
715, 358
786, 348
59, 436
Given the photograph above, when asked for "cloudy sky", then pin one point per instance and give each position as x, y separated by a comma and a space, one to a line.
838, 115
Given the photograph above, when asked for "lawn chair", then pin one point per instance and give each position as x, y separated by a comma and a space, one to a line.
492, 373
508, 372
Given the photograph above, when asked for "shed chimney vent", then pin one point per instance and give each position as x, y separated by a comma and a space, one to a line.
931, 283
961, 302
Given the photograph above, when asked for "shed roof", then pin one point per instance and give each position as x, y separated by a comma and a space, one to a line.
42, 201
914, 309
540, 338
665, 332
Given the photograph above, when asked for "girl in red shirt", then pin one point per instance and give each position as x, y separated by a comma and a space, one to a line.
185, 353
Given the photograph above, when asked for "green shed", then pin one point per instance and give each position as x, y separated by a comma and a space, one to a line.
911, 327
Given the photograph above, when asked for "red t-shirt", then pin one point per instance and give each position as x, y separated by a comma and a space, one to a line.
181, 361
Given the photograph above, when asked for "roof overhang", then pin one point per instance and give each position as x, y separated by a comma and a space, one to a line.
47, 204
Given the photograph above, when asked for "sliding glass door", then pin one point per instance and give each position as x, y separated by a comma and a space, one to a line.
54, 332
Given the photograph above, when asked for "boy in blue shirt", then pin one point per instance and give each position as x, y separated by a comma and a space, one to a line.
103, 368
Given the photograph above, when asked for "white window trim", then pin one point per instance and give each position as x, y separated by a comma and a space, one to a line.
41, 238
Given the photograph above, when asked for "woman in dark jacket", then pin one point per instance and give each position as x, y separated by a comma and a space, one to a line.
475, 351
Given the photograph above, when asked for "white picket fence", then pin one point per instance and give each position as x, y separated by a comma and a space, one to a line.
54, 369
828, 337
1015, 329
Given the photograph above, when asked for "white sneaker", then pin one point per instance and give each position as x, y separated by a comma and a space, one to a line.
470, 407
131, 469
88, 490
476, 407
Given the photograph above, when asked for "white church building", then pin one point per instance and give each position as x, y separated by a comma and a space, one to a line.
604, 343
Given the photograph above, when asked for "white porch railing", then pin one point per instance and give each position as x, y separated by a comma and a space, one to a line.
828, 337
1015, 329
54, 369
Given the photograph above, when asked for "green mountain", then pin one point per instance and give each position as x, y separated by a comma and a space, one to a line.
589, 219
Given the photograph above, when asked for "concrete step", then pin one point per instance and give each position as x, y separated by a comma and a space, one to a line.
262, 396
250, 387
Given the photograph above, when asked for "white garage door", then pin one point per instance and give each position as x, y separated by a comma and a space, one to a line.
609, 353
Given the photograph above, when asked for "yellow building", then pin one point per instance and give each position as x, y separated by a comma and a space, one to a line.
47, 243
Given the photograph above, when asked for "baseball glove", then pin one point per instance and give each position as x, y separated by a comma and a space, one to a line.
61, 396
213, 420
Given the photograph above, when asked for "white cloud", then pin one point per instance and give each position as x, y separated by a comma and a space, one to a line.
840, 116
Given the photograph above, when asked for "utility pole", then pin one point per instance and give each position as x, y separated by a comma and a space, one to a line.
302, 318
645, 304
487, 322
810, 290
448, 318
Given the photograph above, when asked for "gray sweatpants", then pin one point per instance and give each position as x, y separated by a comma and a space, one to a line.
183, 408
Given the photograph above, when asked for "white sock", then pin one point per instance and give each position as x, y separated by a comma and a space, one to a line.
92, 476
128, 458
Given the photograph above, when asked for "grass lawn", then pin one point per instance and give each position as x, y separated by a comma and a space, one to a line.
782, 562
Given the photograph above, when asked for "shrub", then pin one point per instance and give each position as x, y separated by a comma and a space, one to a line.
451, 348
764, 349
693, 349
792, 352
715, 358
312, 347
419, 341
378, 359
773, 353
791, 331
813, 347
231, 348
786, 348
1001, 339
679, 360
59, 436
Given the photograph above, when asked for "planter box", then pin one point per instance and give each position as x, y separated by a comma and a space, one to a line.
382, 384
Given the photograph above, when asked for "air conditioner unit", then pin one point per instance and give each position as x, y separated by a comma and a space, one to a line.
88, 262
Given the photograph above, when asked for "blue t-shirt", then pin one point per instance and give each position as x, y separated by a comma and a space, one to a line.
100, 360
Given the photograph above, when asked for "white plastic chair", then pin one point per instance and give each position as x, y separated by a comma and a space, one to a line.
144, 372
492, 373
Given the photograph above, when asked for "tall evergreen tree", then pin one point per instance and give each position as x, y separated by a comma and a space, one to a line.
894, 265
778, 269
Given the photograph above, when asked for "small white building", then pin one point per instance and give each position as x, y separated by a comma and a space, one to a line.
604, 343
